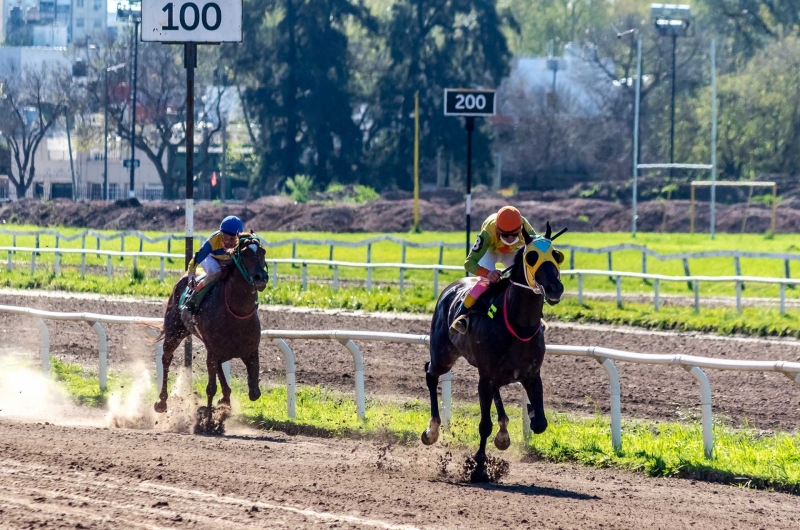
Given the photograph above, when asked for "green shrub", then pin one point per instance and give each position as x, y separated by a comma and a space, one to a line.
365, 194
300, 187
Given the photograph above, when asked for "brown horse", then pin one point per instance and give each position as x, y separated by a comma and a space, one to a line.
227, 321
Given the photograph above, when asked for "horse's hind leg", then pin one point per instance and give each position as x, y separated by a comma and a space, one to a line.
533, 387
226, 389
501, 440
171, 343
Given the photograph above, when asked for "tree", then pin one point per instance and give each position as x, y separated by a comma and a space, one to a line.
161, 105
759, 122
294, 62
753, 24
30, 106
433, 44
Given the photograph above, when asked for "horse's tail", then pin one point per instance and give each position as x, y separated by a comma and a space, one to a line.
157, 327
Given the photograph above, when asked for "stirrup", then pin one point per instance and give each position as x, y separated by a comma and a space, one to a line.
460, 324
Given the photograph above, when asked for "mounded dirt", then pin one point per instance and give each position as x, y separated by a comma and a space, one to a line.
442, 211
88, 477
764, 400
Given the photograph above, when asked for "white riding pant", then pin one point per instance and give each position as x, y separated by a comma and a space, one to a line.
211, 267
491, 259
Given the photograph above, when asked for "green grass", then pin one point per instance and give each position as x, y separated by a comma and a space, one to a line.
741, 456
419, 299
390, 252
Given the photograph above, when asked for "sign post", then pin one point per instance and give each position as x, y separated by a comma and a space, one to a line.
191, 22
469, 103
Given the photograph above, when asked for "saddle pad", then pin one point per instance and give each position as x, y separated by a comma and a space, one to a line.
198, 297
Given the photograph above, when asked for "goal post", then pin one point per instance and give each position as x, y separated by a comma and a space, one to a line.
733, 184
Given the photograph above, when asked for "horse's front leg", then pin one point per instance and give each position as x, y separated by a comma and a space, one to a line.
486, 391
226, 388
501, 440
252, 364
533, 386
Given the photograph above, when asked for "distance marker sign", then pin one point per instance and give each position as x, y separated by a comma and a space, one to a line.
200, 21
466, 102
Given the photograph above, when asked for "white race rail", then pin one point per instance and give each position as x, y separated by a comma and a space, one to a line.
604, 356
656, 279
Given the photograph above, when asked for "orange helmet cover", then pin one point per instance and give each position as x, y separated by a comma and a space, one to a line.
509, 219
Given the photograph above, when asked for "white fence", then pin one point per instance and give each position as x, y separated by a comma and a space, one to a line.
656, 279
332, 244
604, 356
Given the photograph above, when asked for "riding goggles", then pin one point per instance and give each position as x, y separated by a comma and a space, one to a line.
509, 238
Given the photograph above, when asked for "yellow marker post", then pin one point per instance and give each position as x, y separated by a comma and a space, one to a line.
416, 161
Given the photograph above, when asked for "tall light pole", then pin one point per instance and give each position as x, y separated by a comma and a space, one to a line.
133, 16
671, 20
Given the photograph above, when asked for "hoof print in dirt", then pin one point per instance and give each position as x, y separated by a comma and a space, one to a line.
216, 426
487, 470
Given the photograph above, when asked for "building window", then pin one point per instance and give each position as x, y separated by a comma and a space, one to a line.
79, 3
113, 192
79, 22
98, 23
98, 5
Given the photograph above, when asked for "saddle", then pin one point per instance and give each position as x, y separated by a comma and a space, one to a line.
192, 303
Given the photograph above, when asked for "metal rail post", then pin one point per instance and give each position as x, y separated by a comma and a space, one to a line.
102, 346
705, 407
291, 387
616, 408
44, 345
358, 359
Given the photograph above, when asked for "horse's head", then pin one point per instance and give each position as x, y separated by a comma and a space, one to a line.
251, 260
542, 264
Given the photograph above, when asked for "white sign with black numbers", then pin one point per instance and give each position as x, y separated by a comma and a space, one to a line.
192, 21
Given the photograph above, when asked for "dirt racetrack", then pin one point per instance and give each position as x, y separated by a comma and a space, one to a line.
93, 478
766, 401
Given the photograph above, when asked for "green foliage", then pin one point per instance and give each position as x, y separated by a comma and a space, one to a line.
591, 192
138, 275
432, 45
365, 194
81, 384
674, 449
759, 106
300, 187
334, 187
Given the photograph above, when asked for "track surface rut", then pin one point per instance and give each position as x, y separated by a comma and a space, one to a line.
87, 477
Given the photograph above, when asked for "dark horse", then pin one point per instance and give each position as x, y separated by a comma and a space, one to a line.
227, 321
505, 343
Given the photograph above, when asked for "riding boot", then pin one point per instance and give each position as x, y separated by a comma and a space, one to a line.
189, 302
461, 322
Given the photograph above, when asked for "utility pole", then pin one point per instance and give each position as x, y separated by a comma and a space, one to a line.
136, 21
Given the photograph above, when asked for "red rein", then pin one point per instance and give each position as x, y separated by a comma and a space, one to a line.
508, 324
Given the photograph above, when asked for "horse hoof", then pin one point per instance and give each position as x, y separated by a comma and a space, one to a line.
538, 426
502, 441
160, 407
254, 394
429, 439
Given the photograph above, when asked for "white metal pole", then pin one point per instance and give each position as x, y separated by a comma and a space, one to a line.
713, 136
636, 131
